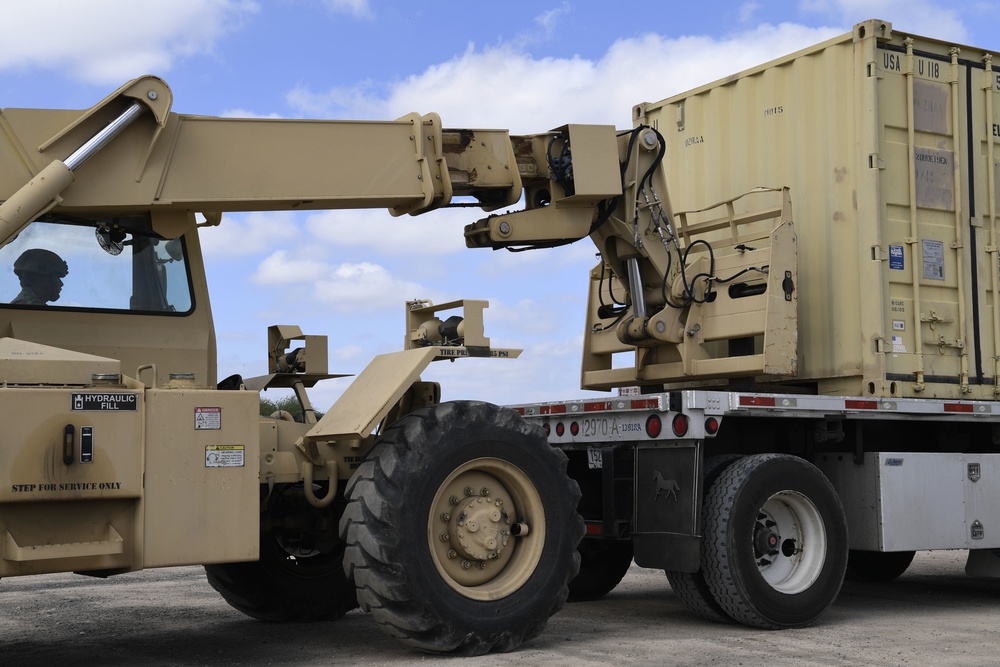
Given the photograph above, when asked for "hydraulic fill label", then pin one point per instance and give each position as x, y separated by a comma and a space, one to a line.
105, 402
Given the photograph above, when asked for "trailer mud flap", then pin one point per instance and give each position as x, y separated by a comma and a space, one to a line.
667, 487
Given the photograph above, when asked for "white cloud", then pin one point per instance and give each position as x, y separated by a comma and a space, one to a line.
242, 234
108, 41
348, 353
434, 234
359, 9
747, 11
282, 267
921, 17
545, 371
365, 287
550, 19
503, 86
245, 113
348, 286
529, 318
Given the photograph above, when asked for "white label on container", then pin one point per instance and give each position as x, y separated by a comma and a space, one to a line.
935, 178
898, 325
933, 259
225, 456
897, 344
207, 419
930, 106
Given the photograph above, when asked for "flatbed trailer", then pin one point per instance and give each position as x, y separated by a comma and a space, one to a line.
663, 474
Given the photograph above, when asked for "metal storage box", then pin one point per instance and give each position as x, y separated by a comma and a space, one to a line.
888, 143
909, 501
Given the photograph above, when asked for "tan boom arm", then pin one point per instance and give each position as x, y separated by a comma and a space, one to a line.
139, 161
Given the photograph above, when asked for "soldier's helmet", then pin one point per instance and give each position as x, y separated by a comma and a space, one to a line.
39, 260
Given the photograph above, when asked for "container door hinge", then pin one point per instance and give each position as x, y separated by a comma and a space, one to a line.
874, 162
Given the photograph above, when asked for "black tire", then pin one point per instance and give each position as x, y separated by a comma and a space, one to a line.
691, 587
299, 576
405, 493
775, 545
603, 564
877, 566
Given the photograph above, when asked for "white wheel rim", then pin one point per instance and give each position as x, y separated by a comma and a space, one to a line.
789, 542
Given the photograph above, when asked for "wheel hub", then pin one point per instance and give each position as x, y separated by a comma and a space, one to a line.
766, 542
789, 542
480, 527
474, 522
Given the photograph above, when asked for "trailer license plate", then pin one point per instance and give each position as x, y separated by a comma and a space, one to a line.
594, 460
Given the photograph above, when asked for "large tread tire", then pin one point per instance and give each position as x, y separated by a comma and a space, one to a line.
603, 564
877, 566
691, 587
775, 546
288, 587
397, 519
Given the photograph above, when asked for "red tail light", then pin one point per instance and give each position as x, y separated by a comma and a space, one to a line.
680, 424
654, 426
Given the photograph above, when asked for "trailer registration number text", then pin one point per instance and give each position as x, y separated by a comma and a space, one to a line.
604, 427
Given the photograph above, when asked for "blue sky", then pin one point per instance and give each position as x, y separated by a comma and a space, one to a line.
525, 66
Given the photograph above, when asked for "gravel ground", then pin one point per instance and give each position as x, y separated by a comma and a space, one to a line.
933, 615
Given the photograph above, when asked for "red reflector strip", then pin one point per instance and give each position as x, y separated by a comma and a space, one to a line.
552, 410
958, 407
759, 401
520, 411
598, 406
645, 404
594, 529
861, 405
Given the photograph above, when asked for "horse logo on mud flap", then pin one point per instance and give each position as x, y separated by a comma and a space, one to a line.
667, 487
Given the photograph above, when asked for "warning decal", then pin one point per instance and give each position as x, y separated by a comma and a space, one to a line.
225, 456
207, 419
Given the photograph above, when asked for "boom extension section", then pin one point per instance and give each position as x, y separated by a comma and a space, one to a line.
164, 161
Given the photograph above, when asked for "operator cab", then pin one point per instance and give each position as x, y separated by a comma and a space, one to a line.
105, 264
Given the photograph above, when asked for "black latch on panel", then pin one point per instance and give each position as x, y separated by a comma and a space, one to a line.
69, 434
788, 286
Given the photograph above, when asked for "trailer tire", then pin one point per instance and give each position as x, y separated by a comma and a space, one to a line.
603, 564
284, 585
427, 575
775, 545
877, 566
691, 587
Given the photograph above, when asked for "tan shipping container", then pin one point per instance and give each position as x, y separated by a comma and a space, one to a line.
888, 143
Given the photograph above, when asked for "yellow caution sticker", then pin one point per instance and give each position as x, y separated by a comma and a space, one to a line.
225, 456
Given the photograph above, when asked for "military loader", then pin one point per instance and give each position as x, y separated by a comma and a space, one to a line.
800, 320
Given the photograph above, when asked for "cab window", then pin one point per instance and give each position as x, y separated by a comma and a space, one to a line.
106, 264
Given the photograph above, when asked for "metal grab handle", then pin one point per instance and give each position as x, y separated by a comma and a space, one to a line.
307, 482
